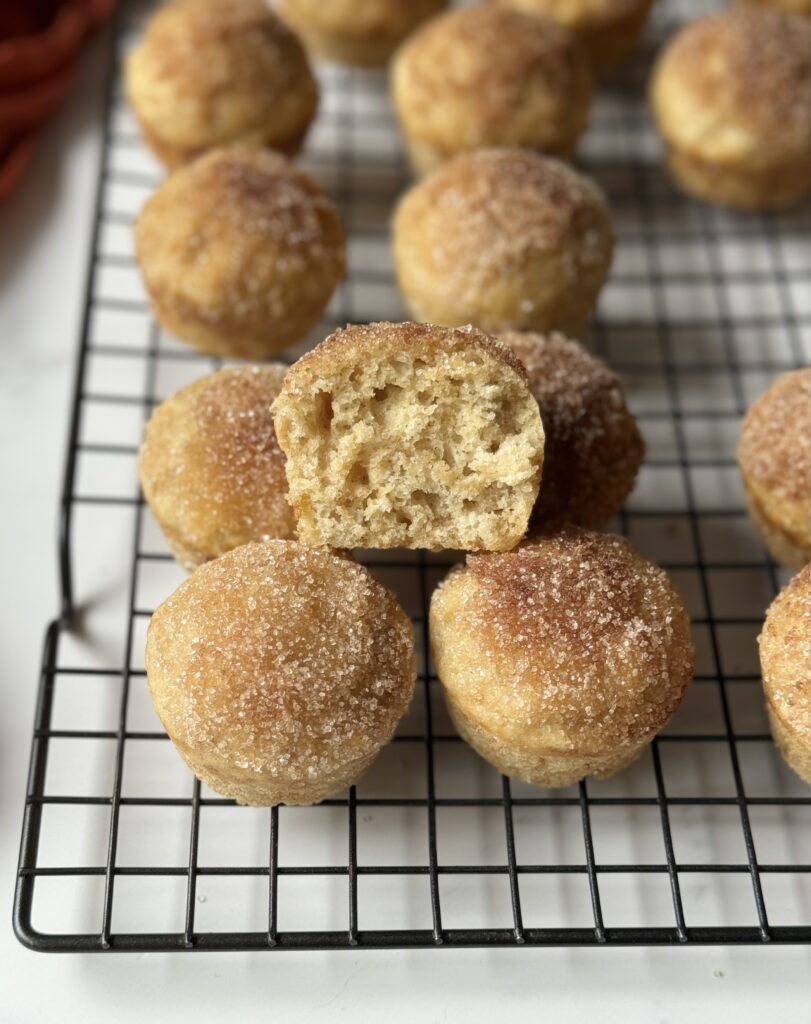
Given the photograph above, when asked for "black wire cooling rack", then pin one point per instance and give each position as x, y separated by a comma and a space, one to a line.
707, 839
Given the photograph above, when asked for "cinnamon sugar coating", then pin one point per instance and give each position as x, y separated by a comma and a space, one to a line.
211, 468
211, 74
774, 454
731, 94
785, 657
279, 671
593, 445
478, 77
240, 252
562, 658
504, 239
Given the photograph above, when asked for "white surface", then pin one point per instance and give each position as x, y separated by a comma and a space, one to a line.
43, 239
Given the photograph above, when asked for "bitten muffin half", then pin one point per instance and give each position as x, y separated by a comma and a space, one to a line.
209, 74
785, 657
279, 671
240, 252
774, 455
478, 77
561, 659
410, 435
211, 469
732, 98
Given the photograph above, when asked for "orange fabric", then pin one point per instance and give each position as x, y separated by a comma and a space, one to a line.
40, 42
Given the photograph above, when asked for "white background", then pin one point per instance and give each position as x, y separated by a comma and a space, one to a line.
44, 234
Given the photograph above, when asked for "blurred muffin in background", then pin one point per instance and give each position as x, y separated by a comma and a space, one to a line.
479, 76
608, 29
209, 74
240, 252
361, 32
731, 95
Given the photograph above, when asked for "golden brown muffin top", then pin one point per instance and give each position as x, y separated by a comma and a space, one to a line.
207, 73
354, 342
575, 585
181, 32
576, 635
785, 651
246, 191
483, 213
279, 647
593, 445
487, 58
483, 76
775, 445
224, 233
746, 76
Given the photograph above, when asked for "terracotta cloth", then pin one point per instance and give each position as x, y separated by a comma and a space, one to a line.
40, 41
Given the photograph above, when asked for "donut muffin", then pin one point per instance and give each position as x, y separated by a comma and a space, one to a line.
362, 32
479, 76
211, 468
561, 659
209, 74
593, 447
732, 98
785, 658
608, 30
240, 253
503, 239
279, 672
410, 435
774, 455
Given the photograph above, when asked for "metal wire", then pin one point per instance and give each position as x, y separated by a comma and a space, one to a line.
653, 224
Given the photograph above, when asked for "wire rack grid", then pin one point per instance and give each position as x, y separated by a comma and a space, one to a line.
707, 839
